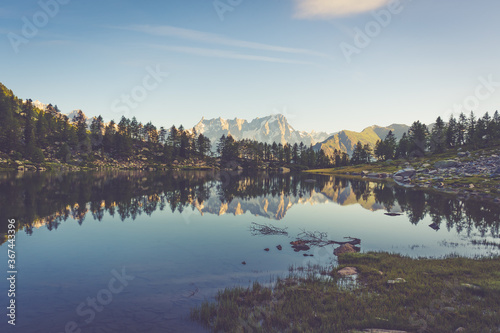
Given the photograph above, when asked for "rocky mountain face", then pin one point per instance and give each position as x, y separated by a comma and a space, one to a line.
49, 108
345, 141
274, 128
74, 113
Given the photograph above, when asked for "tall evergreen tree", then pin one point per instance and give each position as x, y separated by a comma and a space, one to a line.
29, 129
173, 140
451, 133
438, 136
461, 129
108, 140
9, 127
41, 130
358, 155
418, 135
404, 146
96, 132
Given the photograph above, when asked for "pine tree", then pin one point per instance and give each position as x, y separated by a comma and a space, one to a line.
379, 150
471, 128
81, 126
173, 140
9, 127
134, 129
404, 146
295, 153
418, 134
29, 130
438, 137
203, 145
41, 130
183, 143
489, 127
496, 125
390, 143
108, 140
357, 154
162, 135
451, 133
96, 133
367, 153
461, 129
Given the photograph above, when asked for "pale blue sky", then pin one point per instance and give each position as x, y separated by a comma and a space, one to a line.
264, 57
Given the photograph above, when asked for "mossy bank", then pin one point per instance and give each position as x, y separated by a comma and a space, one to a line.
389, 292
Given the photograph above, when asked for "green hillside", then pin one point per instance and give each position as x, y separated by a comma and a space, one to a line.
345, 141
397, 130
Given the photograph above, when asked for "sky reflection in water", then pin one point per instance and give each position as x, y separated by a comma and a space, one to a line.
183, 236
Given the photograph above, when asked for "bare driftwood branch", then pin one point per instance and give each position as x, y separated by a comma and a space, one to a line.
263, 229
320, 239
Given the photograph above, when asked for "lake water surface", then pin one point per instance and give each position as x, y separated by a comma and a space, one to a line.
148, 246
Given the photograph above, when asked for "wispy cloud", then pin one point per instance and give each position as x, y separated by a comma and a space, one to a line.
216, 39
323, 9
214, 53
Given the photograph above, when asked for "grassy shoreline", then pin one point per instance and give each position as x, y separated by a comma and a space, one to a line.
437, 295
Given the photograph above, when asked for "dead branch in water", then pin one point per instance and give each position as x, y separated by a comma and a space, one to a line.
317, 238
262, 229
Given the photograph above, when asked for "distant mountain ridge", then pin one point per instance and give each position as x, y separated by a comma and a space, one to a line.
274, 128
345, 141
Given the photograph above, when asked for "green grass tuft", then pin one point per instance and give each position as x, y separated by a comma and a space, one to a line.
439, 295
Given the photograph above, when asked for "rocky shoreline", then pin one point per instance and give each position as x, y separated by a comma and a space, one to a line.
137, 163
468, 175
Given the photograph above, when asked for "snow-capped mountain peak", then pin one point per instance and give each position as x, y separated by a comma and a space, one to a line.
273, 128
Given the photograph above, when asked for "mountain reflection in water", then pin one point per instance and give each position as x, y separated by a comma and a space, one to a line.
48, 199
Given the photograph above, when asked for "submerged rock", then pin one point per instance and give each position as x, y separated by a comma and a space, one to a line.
299, 245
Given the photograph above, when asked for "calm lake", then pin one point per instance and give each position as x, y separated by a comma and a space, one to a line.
121, 251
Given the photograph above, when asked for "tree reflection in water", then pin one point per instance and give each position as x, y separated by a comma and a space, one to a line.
37, 199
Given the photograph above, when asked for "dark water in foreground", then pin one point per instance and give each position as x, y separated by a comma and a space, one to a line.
149, 246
